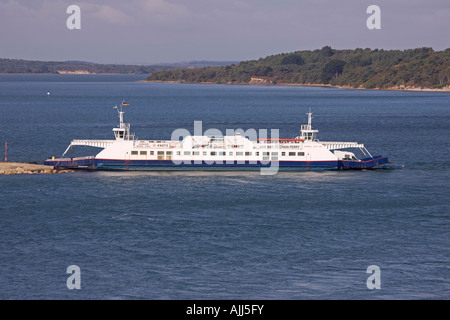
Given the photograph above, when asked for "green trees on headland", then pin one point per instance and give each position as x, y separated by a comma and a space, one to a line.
358, 68
332, 70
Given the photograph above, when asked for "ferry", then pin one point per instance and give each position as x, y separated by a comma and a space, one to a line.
216, 152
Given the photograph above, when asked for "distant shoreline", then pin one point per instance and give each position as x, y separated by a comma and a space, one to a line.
396, 88
445, 89
69, 73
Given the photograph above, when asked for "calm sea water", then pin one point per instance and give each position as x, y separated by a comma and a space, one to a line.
303, 235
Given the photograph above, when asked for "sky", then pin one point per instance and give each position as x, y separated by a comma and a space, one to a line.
167, 31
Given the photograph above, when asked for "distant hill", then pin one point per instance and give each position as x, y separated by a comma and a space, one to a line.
83, 67
78, 62
76, 67
358, 68
198, 64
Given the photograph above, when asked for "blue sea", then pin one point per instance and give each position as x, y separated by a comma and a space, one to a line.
223, 235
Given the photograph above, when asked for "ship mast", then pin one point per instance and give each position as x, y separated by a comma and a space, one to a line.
121, 112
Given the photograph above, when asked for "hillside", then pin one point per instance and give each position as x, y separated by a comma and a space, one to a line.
77, 67
358, 68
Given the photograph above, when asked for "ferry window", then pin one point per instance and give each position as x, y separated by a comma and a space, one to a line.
222, 153
239, 153
195, 153
274, 153
205, 153
300, 154
133, 153
283, 153
265, 153
143, 153
187, 153
257, 153
178, 153
248, 153
169, 153
213, 153
291, 154
230, 153
152, 153
160, 153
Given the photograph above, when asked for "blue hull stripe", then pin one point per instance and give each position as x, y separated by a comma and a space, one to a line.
169, 165
108, 164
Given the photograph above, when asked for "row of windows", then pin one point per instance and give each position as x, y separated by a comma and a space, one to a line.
214, 153
144, 153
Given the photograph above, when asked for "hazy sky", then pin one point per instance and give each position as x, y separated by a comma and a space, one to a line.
154, 31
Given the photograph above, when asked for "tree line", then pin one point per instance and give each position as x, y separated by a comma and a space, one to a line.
28, 66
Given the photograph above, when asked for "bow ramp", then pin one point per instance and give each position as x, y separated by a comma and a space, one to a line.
79, 162
333, 145
89, 143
